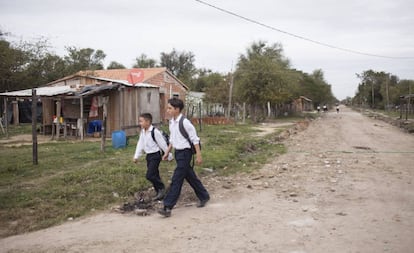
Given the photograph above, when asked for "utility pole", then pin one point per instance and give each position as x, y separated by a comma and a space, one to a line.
387, 92
408, 102
372, 93
230, 95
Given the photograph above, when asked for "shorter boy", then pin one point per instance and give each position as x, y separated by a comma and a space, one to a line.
146, 144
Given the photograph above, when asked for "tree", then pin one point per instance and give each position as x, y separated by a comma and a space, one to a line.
217, 88
143, 61
115, 65
316, 88
12, 64
263, 76
28, 64
373, 88
181, 64
84, 59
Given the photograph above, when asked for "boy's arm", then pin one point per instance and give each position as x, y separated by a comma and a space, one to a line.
192, 132
167, 152
140, 147
199, 159
160, 141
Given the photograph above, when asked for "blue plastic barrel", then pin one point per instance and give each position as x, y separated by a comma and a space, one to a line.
118, 139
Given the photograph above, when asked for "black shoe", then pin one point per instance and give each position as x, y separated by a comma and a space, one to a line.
166, 212
202, 203
160, 195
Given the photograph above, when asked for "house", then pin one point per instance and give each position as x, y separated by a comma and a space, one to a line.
126, 93
169, 85
302, 104
195, 104
120, 94
80, 102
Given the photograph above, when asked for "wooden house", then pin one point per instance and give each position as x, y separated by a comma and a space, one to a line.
169, 85
302, 104
81, 102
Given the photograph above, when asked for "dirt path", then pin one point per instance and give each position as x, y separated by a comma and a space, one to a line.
345, 185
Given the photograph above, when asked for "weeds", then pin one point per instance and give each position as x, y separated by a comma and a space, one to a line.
74, 178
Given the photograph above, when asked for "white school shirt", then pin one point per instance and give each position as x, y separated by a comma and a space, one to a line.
147, 145
176, 139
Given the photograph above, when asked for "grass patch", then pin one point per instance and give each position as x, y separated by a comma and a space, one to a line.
17, 130
74, 178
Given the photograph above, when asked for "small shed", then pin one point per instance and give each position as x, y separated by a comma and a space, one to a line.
80, 100
303, 104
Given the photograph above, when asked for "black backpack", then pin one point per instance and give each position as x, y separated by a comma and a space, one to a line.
164, 135
185, 134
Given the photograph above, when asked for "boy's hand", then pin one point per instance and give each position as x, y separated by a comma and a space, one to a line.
199, 159
135, 160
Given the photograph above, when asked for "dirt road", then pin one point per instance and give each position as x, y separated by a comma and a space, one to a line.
345, 185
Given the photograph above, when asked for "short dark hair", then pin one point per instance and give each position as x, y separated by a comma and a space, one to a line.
146, 116
176, 103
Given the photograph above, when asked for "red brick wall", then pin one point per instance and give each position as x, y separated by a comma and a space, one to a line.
169, 87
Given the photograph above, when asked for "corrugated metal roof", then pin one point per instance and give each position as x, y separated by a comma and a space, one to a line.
126, 83
51, 91
196, 94
41, 91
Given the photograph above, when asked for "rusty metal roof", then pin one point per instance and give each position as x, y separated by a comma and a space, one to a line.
51, 91
41, 91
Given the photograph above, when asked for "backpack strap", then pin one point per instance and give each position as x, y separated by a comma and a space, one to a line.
185, 135
183, 131
153, 135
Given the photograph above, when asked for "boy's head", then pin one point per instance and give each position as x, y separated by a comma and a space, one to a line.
175, 106
145, 120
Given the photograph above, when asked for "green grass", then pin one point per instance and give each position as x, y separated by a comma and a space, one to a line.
74, 178
17, 130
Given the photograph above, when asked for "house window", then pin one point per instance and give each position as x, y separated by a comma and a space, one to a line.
149, 97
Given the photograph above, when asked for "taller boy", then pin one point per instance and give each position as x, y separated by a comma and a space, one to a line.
183, 156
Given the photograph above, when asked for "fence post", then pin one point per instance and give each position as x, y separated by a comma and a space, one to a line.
34, 130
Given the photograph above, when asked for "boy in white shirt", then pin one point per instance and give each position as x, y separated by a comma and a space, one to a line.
146, 144
183, 156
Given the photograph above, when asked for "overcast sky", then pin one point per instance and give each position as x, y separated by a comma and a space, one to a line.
124, 29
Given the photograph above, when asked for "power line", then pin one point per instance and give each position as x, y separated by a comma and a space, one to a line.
301, 37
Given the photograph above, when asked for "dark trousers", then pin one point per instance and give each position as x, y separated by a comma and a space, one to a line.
184, 171
153, 174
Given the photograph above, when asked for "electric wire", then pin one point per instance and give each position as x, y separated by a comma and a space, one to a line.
299, 36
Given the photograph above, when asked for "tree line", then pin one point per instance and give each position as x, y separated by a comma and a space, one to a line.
263, 75
381, 90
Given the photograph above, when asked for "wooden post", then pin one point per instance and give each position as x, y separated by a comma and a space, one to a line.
269, 112
81, 117
58, 108
15, 112
121, 108
6, 117
199, 115
103, 135
34, 122
244, 112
